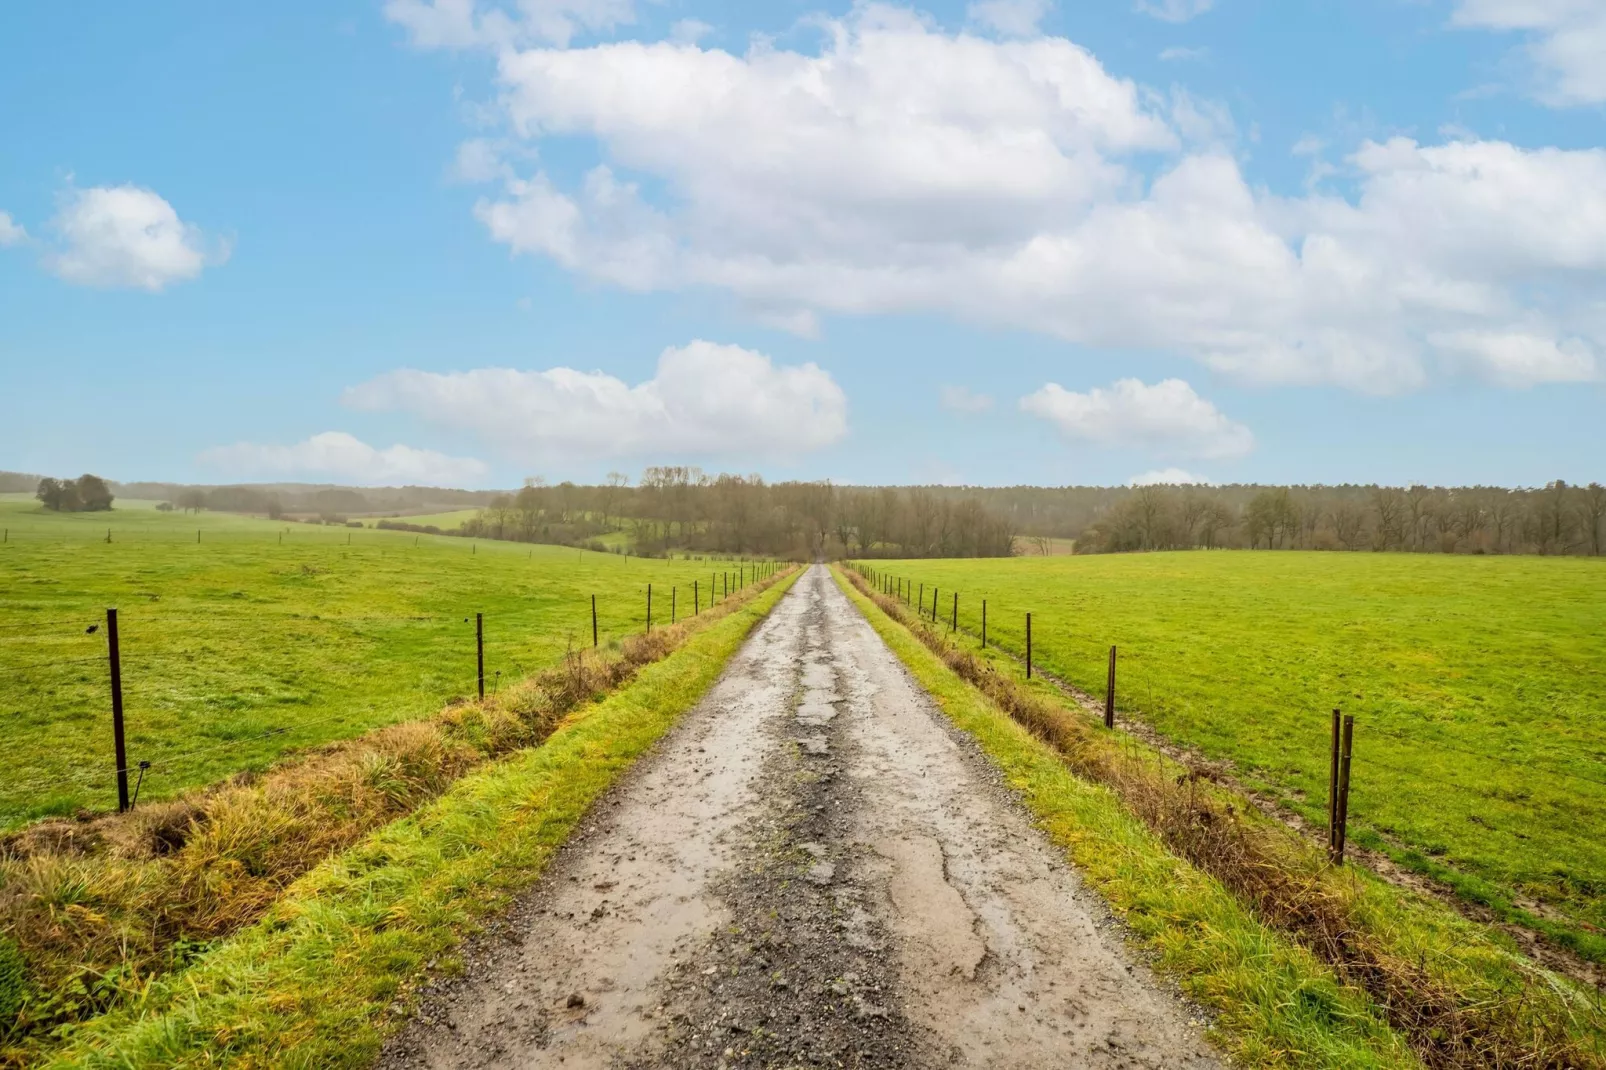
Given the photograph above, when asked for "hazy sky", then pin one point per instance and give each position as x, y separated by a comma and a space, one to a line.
435, 241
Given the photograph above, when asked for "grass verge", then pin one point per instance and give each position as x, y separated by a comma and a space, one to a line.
1304, 965
316, 977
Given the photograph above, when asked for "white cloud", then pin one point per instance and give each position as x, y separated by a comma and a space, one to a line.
705, 399
903, 169
1167, 418
1515, 359
10, 232
963, 399
480, 160
1566, 46
1178, 52
1168, 477
126, 236
1012, 18
460, 24
1174, 10
337, 455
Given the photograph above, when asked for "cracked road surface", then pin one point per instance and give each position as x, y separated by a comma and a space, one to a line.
812, 869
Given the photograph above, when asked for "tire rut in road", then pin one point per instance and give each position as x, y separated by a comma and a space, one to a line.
802, 973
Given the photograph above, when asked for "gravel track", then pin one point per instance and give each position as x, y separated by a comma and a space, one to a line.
812, 869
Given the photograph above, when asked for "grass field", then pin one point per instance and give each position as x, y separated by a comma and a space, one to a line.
444, 521
263, 636
1478, 685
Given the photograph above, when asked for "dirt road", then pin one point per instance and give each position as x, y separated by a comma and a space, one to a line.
812, 869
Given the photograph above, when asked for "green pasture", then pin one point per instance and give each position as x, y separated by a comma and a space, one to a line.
243, 638
445, 521
1478, 685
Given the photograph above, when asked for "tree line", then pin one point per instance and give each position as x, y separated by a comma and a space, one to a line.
677, 508
1557, 518
86, 494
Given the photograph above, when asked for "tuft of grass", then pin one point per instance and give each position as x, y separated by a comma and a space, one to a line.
1456, 993
1476, 683
100, 908
332, 967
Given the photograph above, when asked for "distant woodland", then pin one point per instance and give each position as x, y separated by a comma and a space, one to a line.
671, 508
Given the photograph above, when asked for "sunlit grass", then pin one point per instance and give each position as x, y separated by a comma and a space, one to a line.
1478, 685
265, 636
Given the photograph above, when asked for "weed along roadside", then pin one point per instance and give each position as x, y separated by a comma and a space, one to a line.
1304, 963
289, 919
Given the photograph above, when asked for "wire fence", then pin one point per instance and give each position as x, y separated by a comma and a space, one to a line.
1079, 660
205, 694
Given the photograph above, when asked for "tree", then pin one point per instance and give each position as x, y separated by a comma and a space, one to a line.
1591, 509
94, 496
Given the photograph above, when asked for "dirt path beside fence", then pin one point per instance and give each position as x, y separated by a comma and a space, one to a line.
812, 869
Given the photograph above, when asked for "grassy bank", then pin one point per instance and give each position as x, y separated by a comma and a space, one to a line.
1476, 683
1303, 965
262, 638
319, 979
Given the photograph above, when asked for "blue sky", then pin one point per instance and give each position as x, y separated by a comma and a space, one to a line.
1001, 242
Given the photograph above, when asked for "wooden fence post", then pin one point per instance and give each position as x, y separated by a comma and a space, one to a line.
1028, 646
593, 622
984, 624
115, 659
954, 625
1109, 694
1343, 788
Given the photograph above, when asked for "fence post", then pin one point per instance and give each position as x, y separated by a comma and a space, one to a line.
593, 622
649, 607
696, 598
984, 624
1028, 646
116, 661
672, 592
1332, 786
933, 605
1109, 694
1343, 788
922, 611
479, 650
954, 626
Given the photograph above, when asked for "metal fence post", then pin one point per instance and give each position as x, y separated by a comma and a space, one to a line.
1109, 694
479, 650
116, 661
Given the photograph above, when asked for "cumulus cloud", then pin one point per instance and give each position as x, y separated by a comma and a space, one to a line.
1013, 18
1166, 418
705, 399
337, 455
1567, 40
126, 236
1516, 359
964, 399
461, 24
1168, 477
1174, 10
10, 232
1014, 182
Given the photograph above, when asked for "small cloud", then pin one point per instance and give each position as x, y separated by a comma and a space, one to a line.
1168, 477
1167, 417
480, 160
1177, 53
1518, 359
1309, 145
10, 232
1174, 10
125, 236
337, 455
1011, 18
689, 31
963, 399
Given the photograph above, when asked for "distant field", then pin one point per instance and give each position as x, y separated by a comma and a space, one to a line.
1478, 685
444, 521
265, 636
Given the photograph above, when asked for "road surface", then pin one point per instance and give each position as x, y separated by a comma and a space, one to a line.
812, 869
